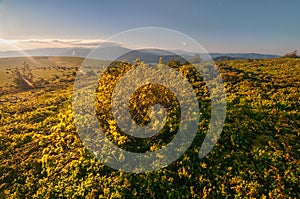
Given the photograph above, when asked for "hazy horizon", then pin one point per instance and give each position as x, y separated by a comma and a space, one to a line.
86, 44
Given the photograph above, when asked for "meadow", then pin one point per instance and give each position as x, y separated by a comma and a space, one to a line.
257, 155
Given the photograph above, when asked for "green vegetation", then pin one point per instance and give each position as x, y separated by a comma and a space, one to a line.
257, 156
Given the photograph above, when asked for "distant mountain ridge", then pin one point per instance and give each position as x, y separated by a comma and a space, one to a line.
113, 52
243, 55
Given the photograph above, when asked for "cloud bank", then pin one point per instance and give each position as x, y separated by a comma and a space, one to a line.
26, 44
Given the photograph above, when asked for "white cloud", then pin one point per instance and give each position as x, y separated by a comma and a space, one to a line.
25, 44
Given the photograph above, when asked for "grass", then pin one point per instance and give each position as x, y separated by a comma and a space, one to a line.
7, 64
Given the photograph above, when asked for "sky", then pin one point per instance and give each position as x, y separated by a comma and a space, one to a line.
237, 26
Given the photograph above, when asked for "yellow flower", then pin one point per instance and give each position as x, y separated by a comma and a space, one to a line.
203, 165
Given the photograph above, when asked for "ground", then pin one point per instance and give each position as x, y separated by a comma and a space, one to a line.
257, 155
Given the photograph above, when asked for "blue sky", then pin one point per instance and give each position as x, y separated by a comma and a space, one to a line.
219, 26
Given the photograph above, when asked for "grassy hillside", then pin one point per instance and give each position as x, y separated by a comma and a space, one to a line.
257, 156
43, 67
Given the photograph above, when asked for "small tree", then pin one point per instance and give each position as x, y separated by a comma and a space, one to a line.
160, 61
23, 77
291, 54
